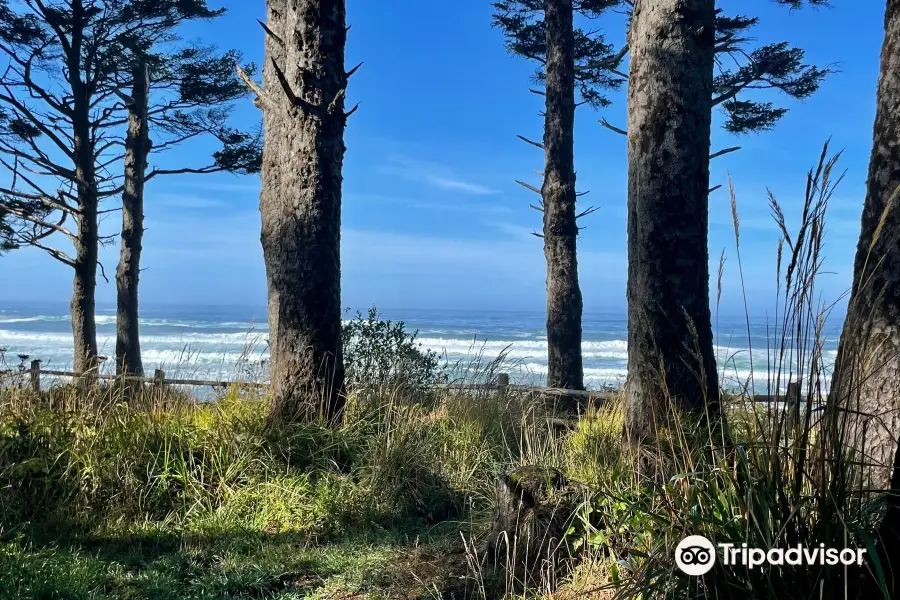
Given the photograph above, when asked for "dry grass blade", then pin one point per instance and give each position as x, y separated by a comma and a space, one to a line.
719, 277
778, 215
778, 265
734, 212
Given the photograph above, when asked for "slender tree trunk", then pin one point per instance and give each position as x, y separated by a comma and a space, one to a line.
87, 240
867, 373
84, 285
300, 203
137, 146
670, 348
564, 305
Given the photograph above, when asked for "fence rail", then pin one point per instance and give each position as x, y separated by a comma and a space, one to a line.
792, 397
159, 379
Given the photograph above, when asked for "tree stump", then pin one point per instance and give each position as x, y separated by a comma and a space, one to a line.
534, 506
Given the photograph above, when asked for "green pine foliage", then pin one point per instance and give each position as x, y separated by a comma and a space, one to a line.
742, 72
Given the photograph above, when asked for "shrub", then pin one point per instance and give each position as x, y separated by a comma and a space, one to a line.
382, 354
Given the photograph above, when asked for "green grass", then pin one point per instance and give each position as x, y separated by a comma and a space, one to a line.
233, 564
169, 498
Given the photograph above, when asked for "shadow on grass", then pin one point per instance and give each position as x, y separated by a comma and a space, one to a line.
62, 562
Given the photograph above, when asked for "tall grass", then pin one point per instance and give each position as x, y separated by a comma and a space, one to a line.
785, 479
79, 454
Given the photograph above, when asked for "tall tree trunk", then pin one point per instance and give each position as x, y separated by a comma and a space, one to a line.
670, 348
84, 285
564, 305
87, 239
137, 146
300, 204
867, 373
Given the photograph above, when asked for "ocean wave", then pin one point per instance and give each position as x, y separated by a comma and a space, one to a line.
146, 322
37, 318
212, 339
188, 358
611, 349
611, 376
605, 351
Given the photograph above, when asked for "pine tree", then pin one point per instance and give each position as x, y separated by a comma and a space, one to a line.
192, 94
597, 70
673, 87
572, 61
670, 350
137, 147
302, 99
62, 125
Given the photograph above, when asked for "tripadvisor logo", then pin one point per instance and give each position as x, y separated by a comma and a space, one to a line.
695, 555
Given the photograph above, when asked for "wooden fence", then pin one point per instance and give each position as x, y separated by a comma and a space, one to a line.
792, 397
159, 378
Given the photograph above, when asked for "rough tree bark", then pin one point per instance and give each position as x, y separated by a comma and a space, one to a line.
137, 146
867, 374
670, 348
564, 304
304, 120
87, 240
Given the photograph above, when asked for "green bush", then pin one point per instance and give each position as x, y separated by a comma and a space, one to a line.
382, 354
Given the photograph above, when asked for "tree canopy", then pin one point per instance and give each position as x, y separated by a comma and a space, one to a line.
69, 68
596, 60
740, 68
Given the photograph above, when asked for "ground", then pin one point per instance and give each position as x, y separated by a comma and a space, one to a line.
425, 562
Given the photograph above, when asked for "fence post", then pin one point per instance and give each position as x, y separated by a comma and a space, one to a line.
792, 403
503, 383
36, 376
159, 378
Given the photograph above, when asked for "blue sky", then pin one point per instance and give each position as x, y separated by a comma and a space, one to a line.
432, 217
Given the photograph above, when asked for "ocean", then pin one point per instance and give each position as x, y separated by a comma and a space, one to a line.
215, 342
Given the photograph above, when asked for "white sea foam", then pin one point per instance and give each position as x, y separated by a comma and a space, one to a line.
595, 376
32, 319
212, 339
148, 322
38, 337
520, 349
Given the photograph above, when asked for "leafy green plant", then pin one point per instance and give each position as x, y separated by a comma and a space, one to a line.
382, 354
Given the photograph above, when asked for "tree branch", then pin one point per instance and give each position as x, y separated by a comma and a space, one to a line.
533, 143
611, 127
294, 99
102, 271
606, 63
724, 152
261, 97
529, 187
200, 171
353, 70
587, 212
53, 227
271, 33
57, 254
24, 110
